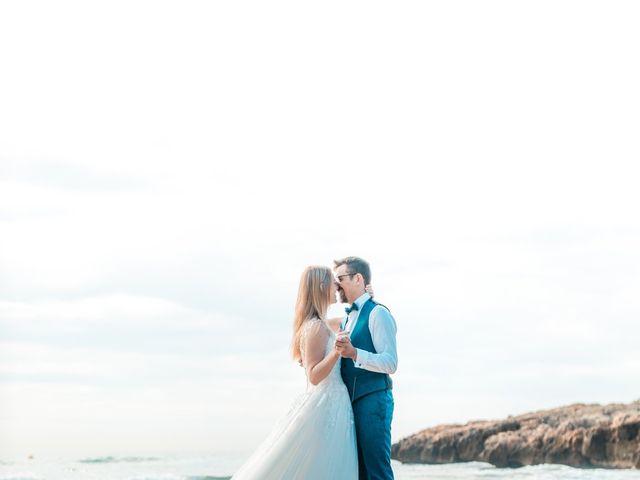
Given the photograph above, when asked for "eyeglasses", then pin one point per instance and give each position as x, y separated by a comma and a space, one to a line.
339, 277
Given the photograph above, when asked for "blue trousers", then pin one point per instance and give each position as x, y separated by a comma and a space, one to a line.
372, 414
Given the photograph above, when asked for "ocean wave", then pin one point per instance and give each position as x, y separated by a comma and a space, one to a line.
118, 459
18, 478
180, 477
207, 477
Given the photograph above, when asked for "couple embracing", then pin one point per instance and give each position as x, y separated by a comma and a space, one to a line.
340, 428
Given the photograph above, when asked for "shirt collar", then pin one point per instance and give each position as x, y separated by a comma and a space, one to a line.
362, 299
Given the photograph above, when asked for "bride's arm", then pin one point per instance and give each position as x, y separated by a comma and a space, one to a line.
318, 365
369, 289
335, 323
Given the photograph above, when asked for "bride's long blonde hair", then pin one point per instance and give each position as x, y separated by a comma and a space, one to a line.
313, 301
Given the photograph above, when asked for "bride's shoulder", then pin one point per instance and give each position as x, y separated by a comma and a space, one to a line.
314, 325
314, 322
314, 329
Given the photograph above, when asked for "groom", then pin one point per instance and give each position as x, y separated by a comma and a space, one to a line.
369, 356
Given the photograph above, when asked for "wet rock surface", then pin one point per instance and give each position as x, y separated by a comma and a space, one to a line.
578, 435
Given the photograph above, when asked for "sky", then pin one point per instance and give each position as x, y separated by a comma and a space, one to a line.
168, 169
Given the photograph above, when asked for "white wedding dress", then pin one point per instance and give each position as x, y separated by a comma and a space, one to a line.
316, 439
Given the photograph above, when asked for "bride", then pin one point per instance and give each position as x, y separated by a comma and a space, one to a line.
316, 439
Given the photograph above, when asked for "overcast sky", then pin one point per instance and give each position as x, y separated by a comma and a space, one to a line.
168, 169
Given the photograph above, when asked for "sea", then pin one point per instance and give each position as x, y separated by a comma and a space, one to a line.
211, 466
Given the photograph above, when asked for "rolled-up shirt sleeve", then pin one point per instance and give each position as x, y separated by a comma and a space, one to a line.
383, 333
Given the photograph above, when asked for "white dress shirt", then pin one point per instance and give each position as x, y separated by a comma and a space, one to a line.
382, 327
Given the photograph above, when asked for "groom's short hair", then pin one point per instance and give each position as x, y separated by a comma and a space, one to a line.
356, 265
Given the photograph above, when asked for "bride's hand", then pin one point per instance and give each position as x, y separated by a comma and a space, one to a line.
369, 290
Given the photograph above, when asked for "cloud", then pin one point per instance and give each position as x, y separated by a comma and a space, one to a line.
161, 197
69, 176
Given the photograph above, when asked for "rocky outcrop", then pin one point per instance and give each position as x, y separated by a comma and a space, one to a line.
579, 435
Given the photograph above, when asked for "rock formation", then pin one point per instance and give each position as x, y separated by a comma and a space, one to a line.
579, 435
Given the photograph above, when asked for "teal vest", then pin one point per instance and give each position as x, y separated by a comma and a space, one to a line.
361, 382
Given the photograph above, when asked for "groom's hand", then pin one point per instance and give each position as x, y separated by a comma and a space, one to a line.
345, 348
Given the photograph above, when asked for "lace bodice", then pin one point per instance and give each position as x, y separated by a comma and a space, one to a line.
316, 326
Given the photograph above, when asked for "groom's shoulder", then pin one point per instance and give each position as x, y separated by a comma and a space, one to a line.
382, 314
378, 304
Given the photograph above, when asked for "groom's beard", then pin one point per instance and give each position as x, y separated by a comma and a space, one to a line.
343, 296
